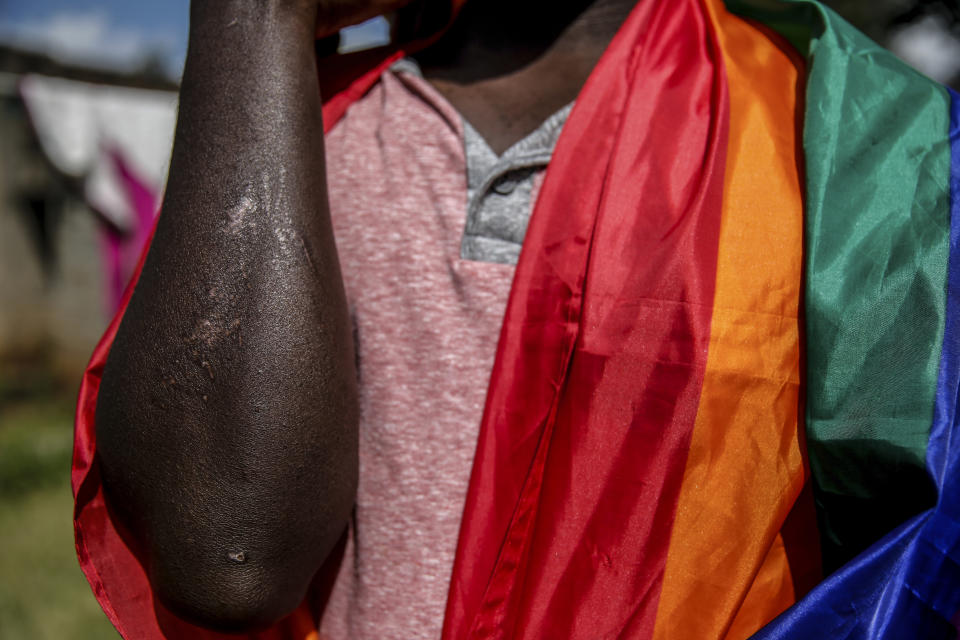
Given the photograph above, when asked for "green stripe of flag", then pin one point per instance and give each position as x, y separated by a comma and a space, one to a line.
876, 234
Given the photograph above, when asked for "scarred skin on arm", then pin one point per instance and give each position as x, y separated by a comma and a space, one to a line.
227, 418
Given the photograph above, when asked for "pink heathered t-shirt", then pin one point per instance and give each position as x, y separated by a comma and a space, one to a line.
426, 327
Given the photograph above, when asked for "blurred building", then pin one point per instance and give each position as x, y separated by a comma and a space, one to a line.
83, 156
924, 33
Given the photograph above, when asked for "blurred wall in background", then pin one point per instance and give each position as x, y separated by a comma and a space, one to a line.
83, 156
51, 285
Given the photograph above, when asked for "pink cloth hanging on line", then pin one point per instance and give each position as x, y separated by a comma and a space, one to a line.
121, 251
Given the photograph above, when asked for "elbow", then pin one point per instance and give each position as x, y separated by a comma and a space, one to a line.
231, 575
224, 598
231, 513
227, 562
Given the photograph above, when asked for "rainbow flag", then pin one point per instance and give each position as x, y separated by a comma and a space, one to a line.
729, 340
724, 397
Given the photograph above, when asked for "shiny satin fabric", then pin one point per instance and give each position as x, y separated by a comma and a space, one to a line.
550, 545
877, 221
907, 585
602, 355
744, 543
883, 271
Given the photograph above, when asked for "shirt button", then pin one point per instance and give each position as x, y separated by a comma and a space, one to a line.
505, 185
510, 180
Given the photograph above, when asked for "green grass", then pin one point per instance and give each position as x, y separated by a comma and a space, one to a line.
35, 448
43, 594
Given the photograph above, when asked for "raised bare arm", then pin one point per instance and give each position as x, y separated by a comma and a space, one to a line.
226, 419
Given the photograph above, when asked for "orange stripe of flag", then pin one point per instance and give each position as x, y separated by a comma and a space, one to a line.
727, 572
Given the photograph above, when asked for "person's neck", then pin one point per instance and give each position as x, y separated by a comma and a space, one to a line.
508, 65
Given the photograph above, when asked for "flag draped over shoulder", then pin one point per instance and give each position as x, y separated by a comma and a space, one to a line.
730, 360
